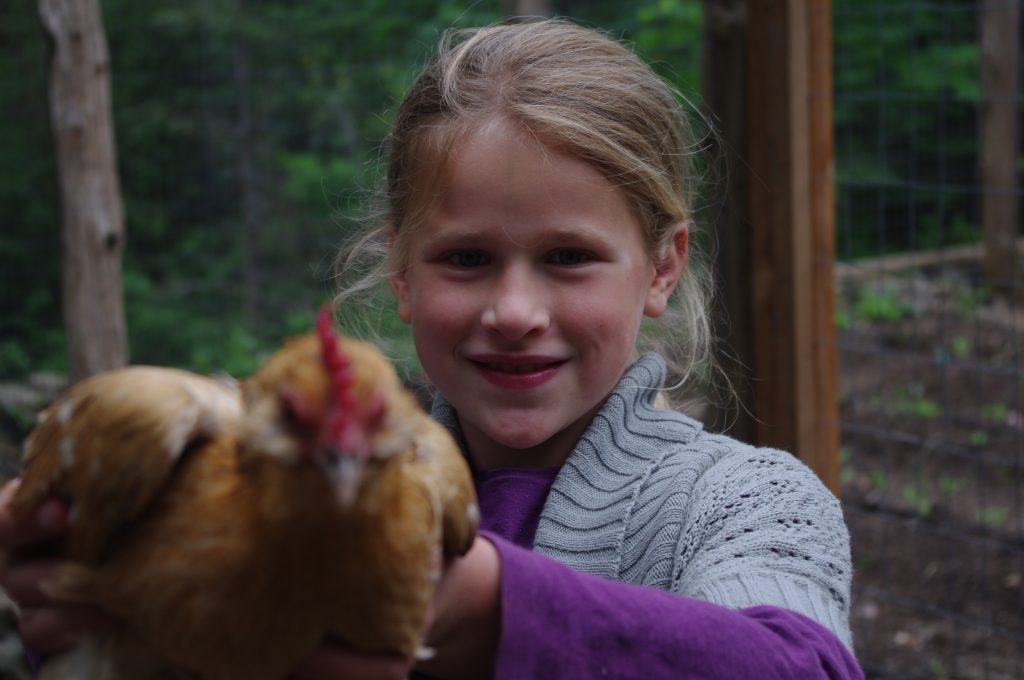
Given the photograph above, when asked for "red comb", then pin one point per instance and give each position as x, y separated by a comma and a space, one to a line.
340, 372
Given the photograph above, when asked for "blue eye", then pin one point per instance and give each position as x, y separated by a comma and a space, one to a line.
569, 257
468, 258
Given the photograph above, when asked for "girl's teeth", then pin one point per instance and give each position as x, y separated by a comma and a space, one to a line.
516, 368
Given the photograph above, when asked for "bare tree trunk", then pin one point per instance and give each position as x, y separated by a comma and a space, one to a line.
526, 8
1000, 47
92, 231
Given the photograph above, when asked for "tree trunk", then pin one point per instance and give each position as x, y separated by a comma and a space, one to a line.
526, 8
92, 222
1000, 46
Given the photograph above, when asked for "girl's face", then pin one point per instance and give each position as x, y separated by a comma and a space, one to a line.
525, 287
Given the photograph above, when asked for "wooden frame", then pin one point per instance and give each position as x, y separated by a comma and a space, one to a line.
792, 218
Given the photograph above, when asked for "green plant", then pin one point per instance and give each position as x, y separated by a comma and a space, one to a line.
969, 299
846, 472
979, 438
910, 400
936, 668
996, 412
880, 305
961, 346
842, 319
950, 486
916, 496
993, 516
879, 480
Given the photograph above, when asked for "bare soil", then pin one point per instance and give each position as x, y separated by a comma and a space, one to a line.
932, 437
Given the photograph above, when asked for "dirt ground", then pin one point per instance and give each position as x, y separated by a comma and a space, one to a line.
932, 438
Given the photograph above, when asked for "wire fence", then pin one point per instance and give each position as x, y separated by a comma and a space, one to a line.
931, 361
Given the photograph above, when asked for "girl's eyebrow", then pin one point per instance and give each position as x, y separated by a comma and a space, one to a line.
460, 235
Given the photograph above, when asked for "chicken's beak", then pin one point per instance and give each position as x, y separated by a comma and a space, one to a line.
345, 473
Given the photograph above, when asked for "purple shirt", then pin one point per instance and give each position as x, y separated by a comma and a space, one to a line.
559, 623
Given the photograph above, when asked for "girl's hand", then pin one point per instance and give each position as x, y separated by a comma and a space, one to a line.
467, 616
45, 627
333, 661
463, 630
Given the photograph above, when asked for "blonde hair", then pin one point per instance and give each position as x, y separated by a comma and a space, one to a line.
574, 88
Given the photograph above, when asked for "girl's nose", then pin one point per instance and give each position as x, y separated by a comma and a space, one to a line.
517, 307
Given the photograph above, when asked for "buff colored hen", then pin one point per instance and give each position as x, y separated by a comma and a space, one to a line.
231, 530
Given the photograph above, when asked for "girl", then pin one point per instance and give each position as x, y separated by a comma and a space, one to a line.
538, 209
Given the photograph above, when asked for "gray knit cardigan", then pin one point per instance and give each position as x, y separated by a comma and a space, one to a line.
648, 497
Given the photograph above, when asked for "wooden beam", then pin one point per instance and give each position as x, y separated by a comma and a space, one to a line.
793, 222
1000, 47
724, 92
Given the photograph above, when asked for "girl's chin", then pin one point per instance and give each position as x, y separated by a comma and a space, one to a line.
531, 447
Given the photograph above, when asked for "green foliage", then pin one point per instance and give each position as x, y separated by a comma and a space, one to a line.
879, 304
317, 83
299, 93
303, 88
906, 106
969, 298
996, 412
936, 668
950, 486
979, 438
961, 346
916, 496
911, 400
879, 480
994, 516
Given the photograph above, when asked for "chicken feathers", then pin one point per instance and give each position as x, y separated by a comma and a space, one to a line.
232, 531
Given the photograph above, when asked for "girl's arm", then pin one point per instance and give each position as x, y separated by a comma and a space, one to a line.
559, 623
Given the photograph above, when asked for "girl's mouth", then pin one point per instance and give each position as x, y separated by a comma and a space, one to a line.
515, 368
518, 374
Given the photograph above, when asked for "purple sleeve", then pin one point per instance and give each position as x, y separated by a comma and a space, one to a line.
559, 623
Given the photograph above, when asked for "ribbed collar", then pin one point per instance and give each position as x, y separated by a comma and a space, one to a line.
590, 502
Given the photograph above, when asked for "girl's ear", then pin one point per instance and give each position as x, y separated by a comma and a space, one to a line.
399, 283
667, 270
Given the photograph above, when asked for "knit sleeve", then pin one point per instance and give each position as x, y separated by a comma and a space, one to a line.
560, 623
765, 531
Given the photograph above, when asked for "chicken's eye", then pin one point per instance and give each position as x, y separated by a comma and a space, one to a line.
296, 411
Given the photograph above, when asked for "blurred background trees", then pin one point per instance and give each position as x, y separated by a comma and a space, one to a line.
249, 134
248, 137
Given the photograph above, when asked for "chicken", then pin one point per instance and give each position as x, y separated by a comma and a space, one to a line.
231, 533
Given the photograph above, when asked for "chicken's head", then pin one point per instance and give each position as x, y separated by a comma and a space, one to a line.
321, 399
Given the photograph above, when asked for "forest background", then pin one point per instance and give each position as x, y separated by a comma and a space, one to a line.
249, 136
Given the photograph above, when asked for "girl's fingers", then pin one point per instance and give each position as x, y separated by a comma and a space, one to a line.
50, 519
333, 661
48, 630
22, 582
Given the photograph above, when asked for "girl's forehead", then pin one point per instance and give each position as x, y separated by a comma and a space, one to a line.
497, 170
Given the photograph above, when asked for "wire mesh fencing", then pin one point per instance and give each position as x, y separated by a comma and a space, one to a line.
931, 363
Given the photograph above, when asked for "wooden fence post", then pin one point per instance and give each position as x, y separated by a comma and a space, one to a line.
1000, 47
724, 91
793, 222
